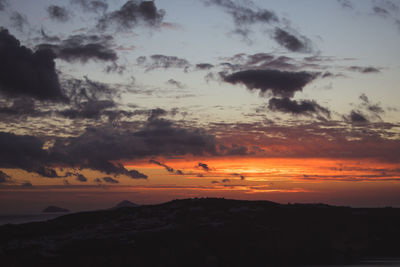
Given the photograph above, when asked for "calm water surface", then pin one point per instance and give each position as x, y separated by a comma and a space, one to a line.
25, 218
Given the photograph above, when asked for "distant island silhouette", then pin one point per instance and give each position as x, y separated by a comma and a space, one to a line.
126, 203
206, 232
54, 209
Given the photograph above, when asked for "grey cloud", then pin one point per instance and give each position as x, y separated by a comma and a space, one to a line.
292, 42
110, 180
168, 168
175, 83
364, 69
24, 72
3, 4
47, 172
58, 13
4, 177
18, 21
374, 108
26, 184
162, 62
279, 83
83, 48
89, 109
20, 108
345, 4
98, 148
204, 66
247, 14
91, 6
132, 14
380, 11
48, 38
204, 166
357, 117
21, 151
81, 178
244, 16
116, 68
82, 90
302, 107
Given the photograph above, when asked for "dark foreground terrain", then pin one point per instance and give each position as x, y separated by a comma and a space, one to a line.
205, 232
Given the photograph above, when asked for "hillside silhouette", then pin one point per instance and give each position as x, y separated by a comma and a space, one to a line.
206, 232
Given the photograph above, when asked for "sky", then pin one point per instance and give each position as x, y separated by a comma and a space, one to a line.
150, 101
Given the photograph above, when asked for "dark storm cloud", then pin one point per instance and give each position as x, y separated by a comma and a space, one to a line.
132, 14
24, 72
302, 107
23, 152
82, 48
91, 6
58, 13
162, 62
157, 137
292, 42
97, 148
4, 177
110, 180
18, 21
204, 166
26, 152
81, 178
364, 69
279, 83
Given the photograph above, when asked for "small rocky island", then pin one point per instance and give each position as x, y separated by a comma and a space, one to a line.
55, 209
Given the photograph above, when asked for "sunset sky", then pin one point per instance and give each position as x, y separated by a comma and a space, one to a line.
149, 101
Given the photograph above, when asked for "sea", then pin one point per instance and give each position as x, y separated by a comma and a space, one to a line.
26, 218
